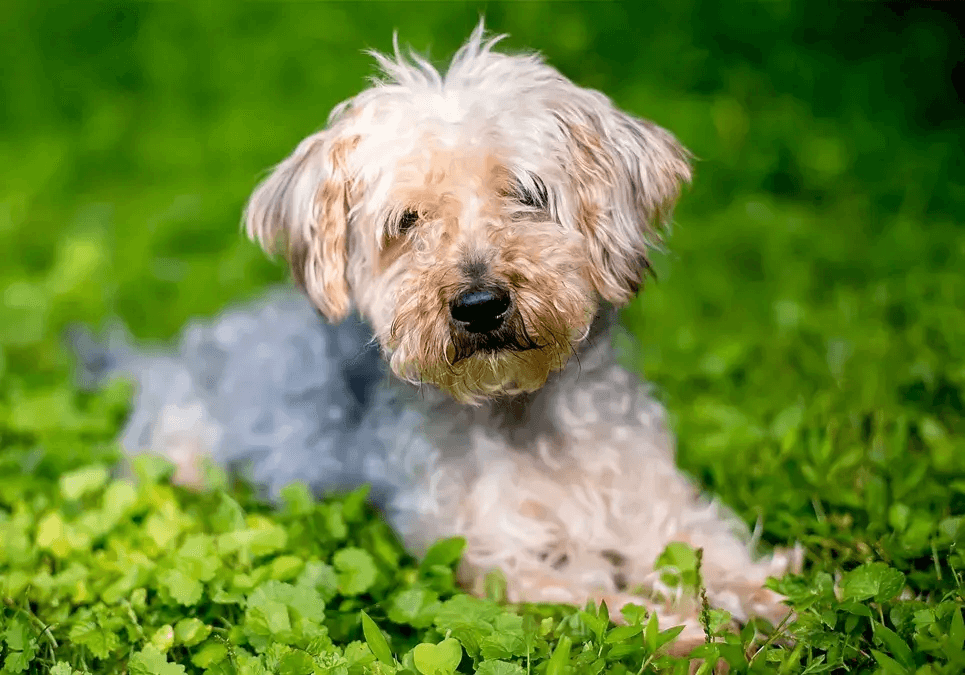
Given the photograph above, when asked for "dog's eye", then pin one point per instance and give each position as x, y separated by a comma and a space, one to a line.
534, 198
408, 219
527, 198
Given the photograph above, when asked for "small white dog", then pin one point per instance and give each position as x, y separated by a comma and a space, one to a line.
484, 222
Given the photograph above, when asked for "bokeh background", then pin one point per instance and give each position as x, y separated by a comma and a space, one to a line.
810, 300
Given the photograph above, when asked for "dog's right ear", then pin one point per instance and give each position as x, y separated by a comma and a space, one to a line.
302, 209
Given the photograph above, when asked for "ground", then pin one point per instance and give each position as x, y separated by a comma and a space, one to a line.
804, 328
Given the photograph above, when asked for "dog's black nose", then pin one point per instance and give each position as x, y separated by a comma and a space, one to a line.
480, 310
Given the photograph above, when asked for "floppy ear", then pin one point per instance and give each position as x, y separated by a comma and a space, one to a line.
626, 175
302, 208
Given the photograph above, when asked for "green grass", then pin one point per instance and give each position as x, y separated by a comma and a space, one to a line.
807, 333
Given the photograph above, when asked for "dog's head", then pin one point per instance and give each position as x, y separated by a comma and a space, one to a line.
476, 219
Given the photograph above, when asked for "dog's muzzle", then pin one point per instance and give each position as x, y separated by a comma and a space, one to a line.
485, 319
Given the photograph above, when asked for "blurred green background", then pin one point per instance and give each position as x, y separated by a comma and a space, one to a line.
807, 328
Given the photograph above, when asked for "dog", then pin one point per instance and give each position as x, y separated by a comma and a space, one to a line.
485, 222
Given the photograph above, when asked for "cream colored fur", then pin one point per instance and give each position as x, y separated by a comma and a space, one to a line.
561, 470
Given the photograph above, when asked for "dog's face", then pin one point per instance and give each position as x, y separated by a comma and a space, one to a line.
475, 219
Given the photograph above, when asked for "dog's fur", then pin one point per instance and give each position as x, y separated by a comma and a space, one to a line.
501, 182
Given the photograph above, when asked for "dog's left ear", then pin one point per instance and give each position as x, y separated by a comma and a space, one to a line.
626, 175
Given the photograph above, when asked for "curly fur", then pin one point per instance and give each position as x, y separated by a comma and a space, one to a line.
498, 173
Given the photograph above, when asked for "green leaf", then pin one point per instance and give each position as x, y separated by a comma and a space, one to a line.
229, 516
50, 532
319, 577
119, 498
872, 580
414, 606
888, 664
163, 638
633, 613
16, 662
286, 567
359, 654
895, 644
356, 570
560, 658
508, 638
183, 589
445, 552
466, 609
210, 654
334, 520
623, 633
856, 608
99, 641
152, 468
376, 640
278, 612
440, 659
651, 636
717, 619
198, 558
268, 618
495, 667
191, 631
597, 623
297, 499
76, 484
669, 635
150, 661
956, 632
296, 663
680, 562
18, 634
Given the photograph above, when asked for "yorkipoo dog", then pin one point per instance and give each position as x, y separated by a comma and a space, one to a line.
484, 222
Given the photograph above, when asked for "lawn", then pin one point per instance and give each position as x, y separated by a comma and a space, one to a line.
806, 332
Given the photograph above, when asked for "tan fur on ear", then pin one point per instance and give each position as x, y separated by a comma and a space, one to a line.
302, 208
627, 175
